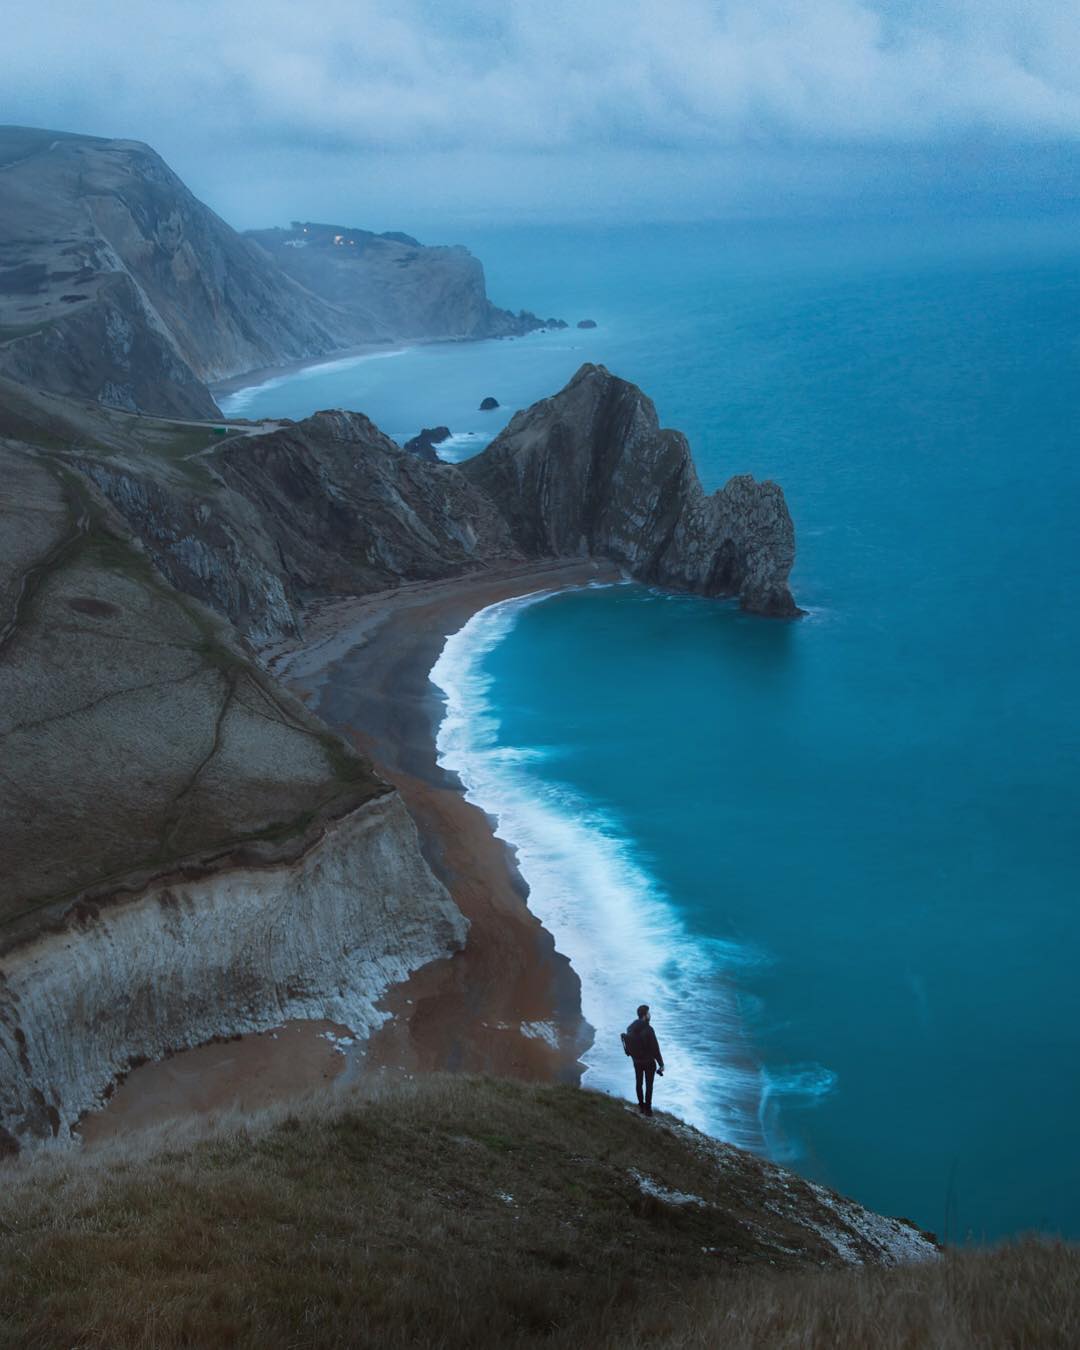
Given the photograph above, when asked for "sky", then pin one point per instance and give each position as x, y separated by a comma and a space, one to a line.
414, 113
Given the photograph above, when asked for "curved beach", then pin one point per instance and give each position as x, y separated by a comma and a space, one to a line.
509, 1003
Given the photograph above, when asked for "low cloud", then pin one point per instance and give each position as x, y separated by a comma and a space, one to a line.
564, 80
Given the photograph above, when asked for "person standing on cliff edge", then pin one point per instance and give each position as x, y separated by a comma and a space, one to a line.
640, 1043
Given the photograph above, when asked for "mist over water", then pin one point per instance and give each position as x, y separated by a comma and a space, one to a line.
841, 854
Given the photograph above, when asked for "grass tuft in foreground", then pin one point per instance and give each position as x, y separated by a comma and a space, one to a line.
456, 1212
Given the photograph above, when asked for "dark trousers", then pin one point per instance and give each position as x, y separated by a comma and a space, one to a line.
644, 1072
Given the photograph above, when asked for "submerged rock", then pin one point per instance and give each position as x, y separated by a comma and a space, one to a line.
424, 444
586, 323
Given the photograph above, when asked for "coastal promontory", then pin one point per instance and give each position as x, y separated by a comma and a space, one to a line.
118, 285
590, 471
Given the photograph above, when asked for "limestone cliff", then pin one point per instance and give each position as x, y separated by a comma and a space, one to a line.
329, 505
187, 851
117, 284
134, 976
392, 285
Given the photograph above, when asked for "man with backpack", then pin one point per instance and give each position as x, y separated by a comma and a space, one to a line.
640, 1043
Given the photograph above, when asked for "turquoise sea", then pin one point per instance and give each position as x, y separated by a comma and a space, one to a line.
839, 856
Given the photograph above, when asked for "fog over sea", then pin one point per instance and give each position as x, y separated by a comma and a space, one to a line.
838, 856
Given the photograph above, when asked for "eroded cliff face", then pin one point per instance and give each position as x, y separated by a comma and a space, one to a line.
118, 285
187, 852
590, 472
134, 977
392, 285
326, 506
331, 505
110, 347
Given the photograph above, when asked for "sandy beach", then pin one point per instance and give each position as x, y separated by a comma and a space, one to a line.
508, 1003
364, 668
249, 378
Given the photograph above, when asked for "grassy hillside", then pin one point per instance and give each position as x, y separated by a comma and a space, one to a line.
458, 1212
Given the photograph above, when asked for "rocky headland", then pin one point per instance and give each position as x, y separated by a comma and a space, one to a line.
392, 286
590, 472
118, 285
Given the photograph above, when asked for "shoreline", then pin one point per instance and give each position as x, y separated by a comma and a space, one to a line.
364, 667
508, 1003
364, 351
604, 906
253, 379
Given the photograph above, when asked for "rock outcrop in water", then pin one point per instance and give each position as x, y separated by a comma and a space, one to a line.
425, 442
590, 472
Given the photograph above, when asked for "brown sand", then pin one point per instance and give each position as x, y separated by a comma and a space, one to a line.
363, 665
244, 1073
364, 668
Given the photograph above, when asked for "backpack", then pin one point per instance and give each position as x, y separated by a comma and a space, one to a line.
633, 1041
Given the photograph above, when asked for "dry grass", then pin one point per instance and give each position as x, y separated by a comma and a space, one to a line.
462, 1213
1024, 1296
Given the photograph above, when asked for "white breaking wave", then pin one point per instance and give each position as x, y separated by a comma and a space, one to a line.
622, 934
463, 445
457, 446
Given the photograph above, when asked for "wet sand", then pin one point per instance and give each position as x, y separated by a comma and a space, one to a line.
508, 1003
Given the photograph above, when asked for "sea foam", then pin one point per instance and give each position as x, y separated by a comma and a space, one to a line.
613, 920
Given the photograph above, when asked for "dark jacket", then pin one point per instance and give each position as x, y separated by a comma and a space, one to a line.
642, 1043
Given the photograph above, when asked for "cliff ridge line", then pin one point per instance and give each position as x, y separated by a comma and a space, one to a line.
118, 285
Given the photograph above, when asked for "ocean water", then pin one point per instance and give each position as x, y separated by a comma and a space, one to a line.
839, 856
